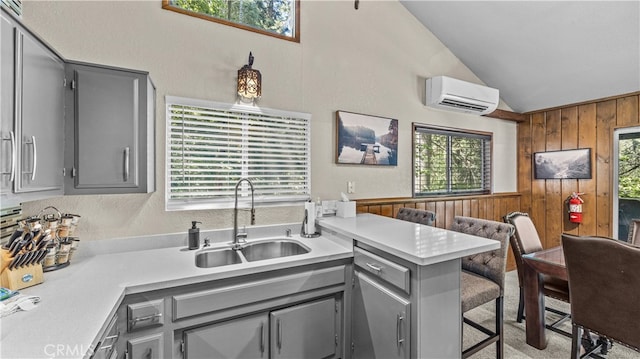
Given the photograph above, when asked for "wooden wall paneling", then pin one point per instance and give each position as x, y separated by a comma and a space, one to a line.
524, 163
421, 205
441, 214
473, 204
387, 210
449, 213
457, 207
587, 139
553, 196
375, 210
627, 111
605, 117
538, 188
466, 207
569, 120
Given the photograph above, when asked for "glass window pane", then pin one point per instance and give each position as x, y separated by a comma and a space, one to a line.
271, 17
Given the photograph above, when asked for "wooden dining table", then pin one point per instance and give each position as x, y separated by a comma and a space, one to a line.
550, 262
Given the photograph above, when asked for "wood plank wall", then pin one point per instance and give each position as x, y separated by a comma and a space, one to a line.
586, 125
492, 207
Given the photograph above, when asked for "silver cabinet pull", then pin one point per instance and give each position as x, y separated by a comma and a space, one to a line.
34, 166
374, 267
261, 339
134, 321
14, 156
126, 164
279, 339
399, 338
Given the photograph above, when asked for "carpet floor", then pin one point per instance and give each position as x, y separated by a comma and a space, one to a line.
515, 346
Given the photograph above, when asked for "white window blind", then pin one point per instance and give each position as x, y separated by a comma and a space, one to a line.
210, 146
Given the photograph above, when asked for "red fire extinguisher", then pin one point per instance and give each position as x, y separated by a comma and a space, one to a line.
575, 207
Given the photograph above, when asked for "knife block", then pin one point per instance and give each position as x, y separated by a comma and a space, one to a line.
24, 277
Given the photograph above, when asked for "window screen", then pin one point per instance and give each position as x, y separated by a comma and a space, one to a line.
449, 161
210, 146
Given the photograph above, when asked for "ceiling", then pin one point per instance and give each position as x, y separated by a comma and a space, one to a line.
541, 54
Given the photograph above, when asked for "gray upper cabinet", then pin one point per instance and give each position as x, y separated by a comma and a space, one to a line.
111, 130
32, 111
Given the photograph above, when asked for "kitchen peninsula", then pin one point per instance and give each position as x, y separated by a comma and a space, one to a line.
406, 297
420, 265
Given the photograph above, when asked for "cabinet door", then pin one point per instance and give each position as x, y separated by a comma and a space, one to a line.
305, 331
40, 91
239, 338
107, 122
8, 151
148, 347
380, 321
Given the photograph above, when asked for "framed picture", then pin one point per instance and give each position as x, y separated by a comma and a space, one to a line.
575, 164
366, 140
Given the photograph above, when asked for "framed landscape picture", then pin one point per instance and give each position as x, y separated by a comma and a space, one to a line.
366, 140
568, 164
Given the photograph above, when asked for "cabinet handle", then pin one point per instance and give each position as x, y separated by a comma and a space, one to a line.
12, 173
279, 330
126, 164
374, 267
35, 158
136, 320
261, 339
399, 338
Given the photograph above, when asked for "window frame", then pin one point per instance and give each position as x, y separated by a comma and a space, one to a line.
450, 131
166, 4
244, 193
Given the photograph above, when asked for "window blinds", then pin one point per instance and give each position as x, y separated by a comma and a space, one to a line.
447, 161
210, 146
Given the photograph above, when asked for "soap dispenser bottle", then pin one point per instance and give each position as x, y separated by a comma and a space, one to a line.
194, 235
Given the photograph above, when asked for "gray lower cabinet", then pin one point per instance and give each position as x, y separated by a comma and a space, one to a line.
111, 127
380, 320
305, 331
245, 337
32, 109
146, 347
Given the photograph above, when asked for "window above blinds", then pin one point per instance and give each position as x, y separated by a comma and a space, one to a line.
450, 161
210, 146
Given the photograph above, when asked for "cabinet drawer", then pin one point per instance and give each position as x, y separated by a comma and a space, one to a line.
144, 315
382, 268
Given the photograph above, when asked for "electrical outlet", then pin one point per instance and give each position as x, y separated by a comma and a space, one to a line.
351, 187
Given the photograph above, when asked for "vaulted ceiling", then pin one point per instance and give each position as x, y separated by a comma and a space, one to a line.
541, 54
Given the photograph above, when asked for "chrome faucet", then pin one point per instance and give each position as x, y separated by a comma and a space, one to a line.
240, 238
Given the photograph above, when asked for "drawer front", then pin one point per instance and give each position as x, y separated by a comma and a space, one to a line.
382, 268
144, 315
149, 347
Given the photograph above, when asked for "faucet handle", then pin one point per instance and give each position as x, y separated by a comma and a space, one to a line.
206, 242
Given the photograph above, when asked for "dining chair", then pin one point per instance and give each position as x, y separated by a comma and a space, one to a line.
482, 278
524, 241
416, 215
604, 286
634, 232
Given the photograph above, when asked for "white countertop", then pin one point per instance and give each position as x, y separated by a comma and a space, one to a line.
77, 301
419, 244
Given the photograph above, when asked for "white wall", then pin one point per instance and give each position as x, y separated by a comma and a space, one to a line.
373, 61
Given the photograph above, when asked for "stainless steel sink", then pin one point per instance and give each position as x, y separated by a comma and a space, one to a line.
216, 258
272, 249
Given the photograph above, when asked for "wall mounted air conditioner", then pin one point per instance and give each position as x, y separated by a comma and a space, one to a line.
457, 95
